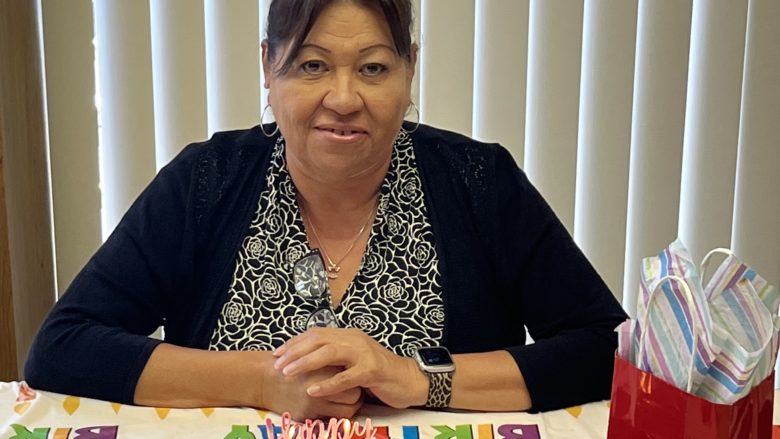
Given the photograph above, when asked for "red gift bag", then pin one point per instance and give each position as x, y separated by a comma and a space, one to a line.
646, 407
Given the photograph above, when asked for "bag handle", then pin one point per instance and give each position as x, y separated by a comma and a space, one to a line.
706, 262
694, 316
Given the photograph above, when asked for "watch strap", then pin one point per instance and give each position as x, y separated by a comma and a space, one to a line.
439, 389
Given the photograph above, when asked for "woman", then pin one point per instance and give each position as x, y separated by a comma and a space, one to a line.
430, 239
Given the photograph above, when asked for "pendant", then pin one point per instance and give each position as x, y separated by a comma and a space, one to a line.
333, 271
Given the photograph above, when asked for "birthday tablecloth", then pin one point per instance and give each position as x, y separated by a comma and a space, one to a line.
44, 415
31, 414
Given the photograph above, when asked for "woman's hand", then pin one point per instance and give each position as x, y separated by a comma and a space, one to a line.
182, 377
288, 394
396, 381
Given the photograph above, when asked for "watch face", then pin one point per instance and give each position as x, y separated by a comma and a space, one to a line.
436, 356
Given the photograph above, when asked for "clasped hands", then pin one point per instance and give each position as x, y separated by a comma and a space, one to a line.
324, 372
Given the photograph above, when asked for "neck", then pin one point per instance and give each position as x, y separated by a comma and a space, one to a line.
343, 195
338, 205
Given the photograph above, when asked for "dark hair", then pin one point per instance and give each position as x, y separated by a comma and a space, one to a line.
290, 21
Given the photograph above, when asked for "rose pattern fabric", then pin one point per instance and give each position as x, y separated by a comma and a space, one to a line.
396, 296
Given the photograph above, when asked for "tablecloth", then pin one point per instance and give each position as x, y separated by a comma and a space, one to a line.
31, 414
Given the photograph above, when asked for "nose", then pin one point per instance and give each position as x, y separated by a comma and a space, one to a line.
343, 96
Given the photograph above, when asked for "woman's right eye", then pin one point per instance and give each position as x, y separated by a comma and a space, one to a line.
313, 67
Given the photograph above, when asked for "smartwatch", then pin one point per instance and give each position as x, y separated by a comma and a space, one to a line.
436, 362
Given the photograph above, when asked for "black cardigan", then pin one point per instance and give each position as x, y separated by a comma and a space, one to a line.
505, 259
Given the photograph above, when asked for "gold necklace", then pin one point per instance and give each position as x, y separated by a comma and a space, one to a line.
333, 268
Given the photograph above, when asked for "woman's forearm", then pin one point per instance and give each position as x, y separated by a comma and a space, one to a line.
489, 381
183, 377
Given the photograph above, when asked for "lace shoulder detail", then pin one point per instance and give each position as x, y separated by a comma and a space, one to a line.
471, 163
220, 163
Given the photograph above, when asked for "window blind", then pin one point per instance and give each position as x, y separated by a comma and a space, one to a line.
638, 121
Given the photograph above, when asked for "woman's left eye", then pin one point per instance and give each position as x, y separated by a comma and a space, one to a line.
373, 69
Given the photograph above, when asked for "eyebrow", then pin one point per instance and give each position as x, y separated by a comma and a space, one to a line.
365, 49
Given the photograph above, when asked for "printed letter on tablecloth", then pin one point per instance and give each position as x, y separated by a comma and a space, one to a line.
519, 431
97, 432
62, 433
21, 432
241, 432
411, 432
460, 432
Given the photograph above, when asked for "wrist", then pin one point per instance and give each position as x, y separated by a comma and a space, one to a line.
420, 382
262, 374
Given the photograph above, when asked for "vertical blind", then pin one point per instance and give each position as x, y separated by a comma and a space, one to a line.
657, 122
73, 135
638, 120
178, 57
124, 78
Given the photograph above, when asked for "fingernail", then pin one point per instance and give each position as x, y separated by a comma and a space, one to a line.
278, 363
313, 389
289, 369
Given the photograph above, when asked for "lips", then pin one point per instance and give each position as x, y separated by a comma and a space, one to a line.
342, 132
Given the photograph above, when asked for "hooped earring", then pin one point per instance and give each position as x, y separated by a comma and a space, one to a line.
416, 110
262, 127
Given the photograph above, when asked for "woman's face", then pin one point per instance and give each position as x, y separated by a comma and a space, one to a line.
342, 102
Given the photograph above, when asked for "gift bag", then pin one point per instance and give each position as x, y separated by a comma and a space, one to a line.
646, 407
697, 362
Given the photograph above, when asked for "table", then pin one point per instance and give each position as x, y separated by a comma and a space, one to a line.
44, 415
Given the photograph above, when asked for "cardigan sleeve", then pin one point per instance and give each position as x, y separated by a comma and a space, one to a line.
568, 309
95, 341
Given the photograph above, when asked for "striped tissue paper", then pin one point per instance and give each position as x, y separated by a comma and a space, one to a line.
716, 342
